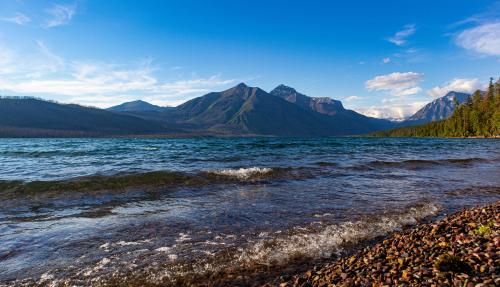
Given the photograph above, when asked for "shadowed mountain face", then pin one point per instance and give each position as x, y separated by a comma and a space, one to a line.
438, 109
249, 110
33, 117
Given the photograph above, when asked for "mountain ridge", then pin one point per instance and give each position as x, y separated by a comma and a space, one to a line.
253, 110
31, 116
240, 110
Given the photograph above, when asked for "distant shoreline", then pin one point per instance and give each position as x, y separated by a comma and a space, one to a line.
181, 136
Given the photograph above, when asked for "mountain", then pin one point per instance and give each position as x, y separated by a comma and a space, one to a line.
251, 110
34, 117
325, 105
438, 109
136, 106
331, 107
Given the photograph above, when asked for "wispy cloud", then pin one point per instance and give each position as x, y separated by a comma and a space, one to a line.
456, 85
18, 18
386, 60
400, 38
352, 98
46, 74
60, 14
397, 84
483, 38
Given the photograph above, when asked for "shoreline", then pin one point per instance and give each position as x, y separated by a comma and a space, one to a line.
462, 249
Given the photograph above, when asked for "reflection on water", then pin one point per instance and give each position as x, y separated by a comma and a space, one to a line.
258, 202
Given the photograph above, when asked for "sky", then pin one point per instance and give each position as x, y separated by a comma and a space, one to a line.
381, 58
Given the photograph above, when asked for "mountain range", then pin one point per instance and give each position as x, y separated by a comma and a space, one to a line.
244, 110
35, 117
238, 111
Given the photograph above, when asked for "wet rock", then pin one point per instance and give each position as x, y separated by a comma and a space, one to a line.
460, 250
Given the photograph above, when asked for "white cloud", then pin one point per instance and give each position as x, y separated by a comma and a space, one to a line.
352, 98
60, 15
396, 111
18, 18
386, 60
400, 38
46, 74
456, 85
398, 84
483, 39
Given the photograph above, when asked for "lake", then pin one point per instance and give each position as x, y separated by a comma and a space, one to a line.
234, 203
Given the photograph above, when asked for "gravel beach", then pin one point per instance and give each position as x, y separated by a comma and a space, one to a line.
460, 250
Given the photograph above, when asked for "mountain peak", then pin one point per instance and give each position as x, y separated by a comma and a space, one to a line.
135, 106
241, 86
283, 89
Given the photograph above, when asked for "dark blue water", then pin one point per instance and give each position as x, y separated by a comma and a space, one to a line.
274, 200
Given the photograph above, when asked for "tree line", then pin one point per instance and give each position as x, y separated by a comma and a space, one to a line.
479, 116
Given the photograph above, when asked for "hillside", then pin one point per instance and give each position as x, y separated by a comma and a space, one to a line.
479, 116
34, 117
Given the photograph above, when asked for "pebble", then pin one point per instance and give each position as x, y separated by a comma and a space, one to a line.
455, 251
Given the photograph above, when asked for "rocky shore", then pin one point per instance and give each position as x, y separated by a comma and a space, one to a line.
460, 250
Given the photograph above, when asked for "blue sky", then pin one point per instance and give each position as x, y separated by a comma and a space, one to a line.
381, 58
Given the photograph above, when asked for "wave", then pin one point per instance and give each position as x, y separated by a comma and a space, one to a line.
155, 179
422, 163
243, 173
330, 240
263, 252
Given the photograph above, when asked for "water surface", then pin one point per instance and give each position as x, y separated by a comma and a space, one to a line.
256, 202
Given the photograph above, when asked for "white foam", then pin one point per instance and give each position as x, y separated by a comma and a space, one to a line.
163, 249
323, 215
330, 239
125, 243
243, 173
149, 148
183, 237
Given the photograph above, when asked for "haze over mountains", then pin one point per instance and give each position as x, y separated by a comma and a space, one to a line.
238, 111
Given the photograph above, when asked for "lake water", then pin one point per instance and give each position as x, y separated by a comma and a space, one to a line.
258, 203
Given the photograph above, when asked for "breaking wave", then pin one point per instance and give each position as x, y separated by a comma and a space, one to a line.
325, 242
156, 179
243, 173
265, 250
